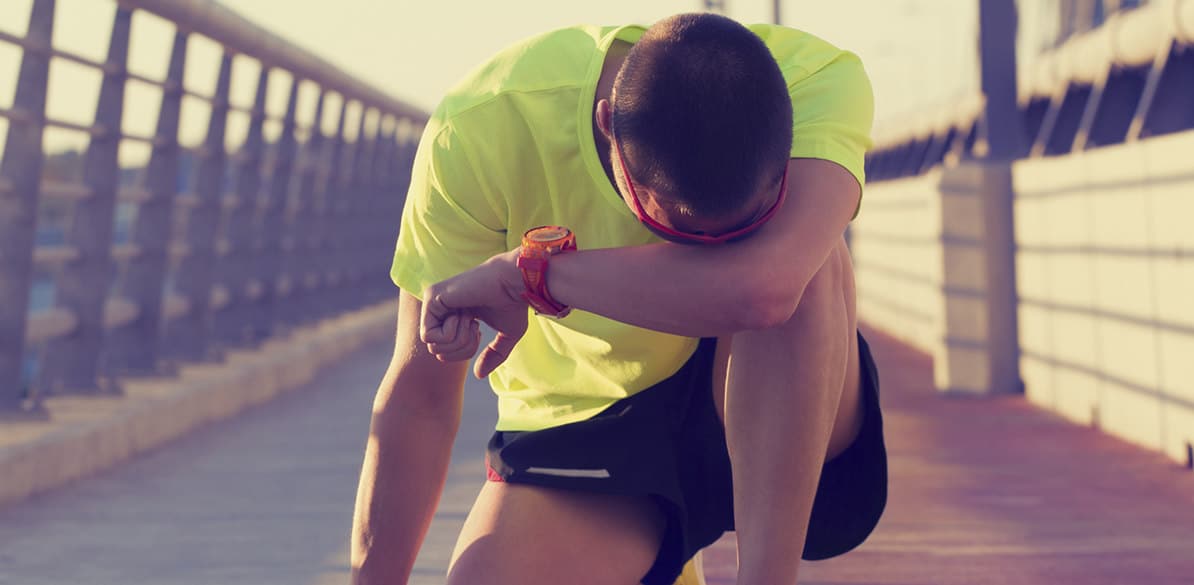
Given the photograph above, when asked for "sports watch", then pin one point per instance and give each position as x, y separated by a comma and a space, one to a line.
538, 245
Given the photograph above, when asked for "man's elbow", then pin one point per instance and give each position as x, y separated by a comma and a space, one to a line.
425, 400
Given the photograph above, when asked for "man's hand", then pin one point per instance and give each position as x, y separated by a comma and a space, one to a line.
492, 293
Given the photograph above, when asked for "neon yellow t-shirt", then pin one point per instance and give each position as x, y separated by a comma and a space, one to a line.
511, 147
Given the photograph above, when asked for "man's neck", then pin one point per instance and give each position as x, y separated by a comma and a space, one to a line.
614, 58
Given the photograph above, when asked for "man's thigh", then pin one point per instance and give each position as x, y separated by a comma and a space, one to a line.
524, 535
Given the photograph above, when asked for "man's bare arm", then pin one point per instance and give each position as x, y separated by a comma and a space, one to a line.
711, 291
696, 291
415, 418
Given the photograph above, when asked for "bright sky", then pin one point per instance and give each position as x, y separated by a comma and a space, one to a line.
917, 52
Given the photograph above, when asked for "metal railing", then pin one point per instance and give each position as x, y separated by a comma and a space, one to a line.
253, 242
1128, 79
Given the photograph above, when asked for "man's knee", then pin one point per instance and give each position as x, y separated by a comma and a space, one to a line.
827, 296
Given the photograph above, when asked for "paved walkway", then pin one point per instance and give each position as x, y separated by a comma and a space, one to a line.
263, 499
996, 492
983, 492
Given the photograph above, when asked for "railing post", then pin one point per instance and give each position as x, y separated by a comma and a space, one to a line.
84, 286
189, 335
20, 177
383, 170
342, 228
303, 228
270, 254
358, 209
235, 269
327, 235
136, 347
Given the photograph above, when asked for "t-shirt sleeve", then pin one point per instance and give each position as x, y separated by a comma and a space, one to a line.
832, 112
450, 221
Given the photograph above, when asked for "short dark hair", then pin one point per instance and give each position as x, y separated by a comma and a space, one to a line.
702, 112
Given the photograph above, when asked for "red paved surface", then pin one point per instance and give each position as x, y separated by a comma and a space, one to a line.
995, 491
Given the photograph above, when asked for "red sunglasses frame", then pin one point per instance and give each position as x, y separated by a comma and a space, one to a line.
670, 234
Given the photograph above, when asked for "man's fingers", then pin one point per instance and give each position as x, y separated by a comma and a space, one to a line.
458, 355
435, 312
451, 323
468, 339
494, 354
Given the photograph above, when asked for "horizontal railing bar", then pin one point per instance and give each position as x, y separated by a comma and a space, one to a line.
175, 306
235, 33
284, 286
62, 190
125, 252
120, 312
96, 130
168, 87
81, 60
50, 324
134, 195
14, 114
103, 66
28, 45
254, 290
186, 200
220, 297
13, 39
54, 255
18, 115
133, 76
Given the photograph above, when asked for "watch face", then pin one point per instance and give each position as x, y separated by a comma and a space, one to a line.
547, 234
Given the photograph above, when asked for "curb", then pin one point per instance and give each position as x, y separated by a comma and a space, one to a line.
88, 434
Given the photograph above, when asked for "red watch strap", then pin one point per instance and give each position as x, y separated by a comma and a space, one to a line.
538, 246
534, 276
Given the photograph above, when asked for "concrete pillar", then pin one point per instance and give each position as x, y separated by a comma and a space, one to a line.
978, 351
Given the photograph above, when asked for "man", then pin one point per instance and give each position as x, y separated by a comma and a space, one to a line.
707, 172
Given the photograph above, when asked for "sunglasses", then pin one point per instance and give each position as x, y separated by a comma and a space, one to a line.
679, 237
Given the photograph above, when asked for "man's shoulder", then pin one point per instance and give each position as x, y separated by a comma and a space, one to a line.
558, 59
799, 53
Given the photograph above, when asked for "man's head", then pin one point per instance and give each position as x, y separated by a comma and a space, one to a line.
700, 123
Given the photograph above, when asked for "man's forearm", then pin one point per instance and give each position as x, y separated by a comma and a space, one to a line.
697, 292
710, 291
406, 464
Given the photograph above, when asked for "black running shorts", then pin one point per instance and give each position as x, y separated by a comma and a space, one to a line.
667, 443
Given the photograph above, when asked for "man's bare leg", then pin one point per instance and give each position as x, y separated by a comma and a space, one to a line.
791, 403
523, 535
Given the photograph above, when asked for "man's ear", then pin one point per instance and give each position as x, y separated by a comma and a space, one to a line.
604, 115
